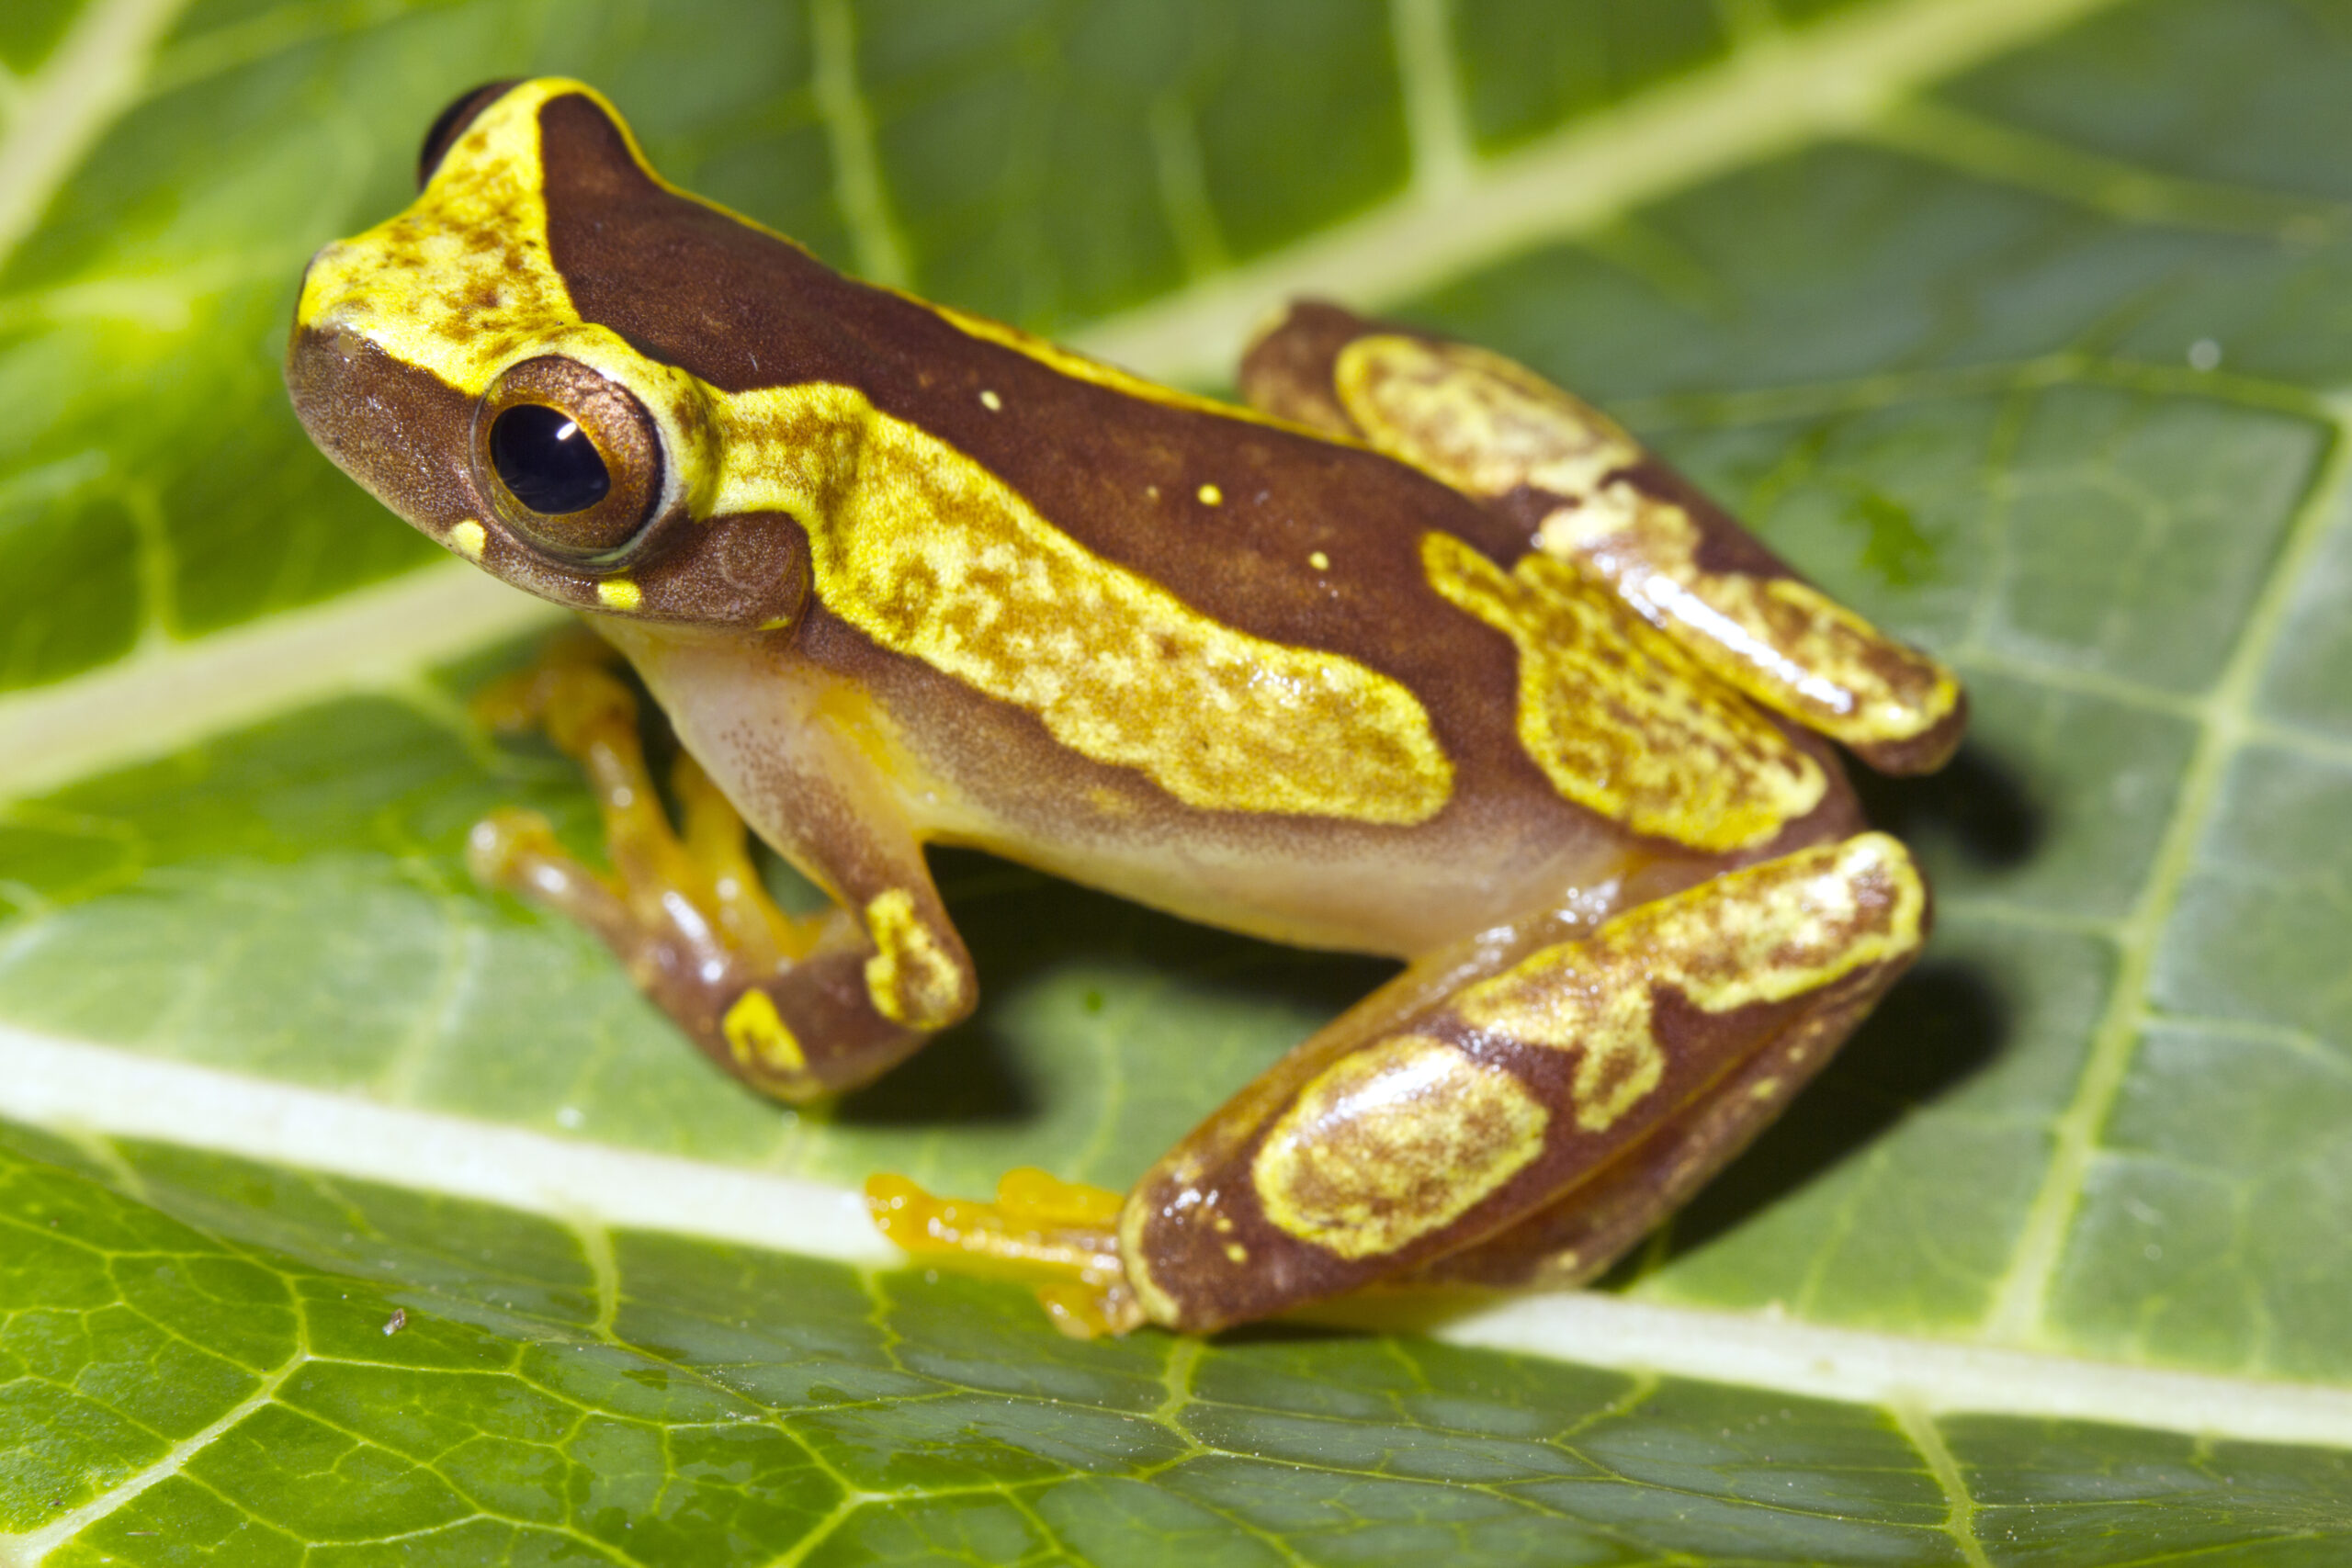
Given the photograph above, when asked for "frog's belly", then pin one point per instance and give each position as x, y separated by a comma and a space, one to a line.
1352, 892
913, 753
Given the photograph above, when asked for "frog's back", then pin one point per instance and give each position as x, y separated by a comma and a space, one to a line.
1264, 526
1102, 618
1279, 535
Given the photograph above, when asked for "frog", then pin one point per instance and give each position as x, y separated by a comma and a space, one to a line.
1409, 652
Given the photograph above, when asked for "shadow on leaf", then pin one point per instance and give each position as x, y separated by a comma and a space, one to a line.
1027, 933
1941, 1023
1980, 804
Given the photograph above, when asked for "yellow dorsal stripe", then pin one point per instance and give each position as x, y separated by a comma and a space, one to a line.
926, 552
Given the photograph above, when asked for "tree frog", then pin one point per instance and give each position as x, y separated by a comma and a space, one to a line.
1415, 655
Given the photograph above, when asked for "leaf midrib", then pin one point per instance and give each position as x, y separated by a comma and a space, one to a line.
595, 1189
1765, 98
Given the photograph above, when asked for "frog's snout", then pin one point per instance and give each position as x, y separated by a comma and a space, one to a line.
383, 422
323, 369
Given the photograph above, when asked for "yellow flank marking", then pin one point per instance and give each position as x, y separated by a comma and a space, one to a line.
1620, 718
1095, 372
990, 402
619, 593
1475, 419
1763, 934
757, 1039
469, 539
1783, 642
1211, 496
911, 979
1487, 425
1319, 560
1392, 1142
936, 558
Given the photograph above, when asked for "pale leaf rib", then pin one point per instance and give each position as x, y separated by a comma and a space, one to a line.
58, 113
73, 1084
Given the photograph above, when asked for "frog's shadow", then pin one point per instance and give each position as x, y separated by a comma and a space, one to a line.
1942, 1023
1939, 1026
1025, 928
1978, 807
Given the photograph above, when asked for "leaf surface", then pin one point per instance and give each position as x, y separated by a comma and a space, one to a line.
2017, 323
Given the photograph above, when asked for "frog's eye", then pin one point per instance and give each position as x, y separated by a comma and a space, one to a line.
450, 124
569, 456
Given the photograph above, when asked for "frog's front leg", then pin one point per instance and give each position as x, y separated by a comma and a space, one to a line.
1532, 1118
794, 1006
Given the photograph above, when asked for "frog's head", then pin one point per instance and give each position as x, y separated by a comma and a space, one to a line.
461, 363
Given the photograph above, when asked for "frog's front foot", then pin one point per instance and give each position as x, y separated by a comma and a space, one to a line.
781, 1002
1061, 1237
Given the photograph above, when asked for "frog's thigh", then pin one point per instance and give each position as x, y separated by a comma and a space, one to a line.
1579, 1234
1555, 466
1622, 1067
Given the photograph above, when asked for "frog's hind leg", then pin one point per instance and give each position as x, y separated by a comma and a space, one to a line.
1578, 1235
1565, 476
685, 912
1523, 1108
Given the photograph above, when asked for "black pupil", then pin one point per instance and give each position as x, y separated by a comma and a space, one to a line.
547, 460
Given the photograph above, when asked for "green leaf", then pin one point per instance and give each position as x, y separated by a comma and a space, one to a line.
2018, 323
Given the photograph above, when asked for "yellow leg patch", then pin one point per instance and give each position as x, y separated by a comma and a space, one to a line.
1783, 641
1486, 426
1391, 1143
758, 1040
911, 979
1620, 719
1474, 420
1764, 934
